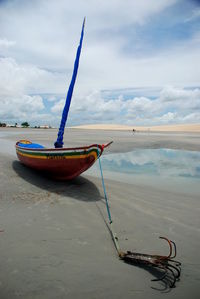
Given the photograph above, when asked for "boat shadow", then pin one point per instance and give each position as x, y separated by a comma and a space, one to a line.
79, 188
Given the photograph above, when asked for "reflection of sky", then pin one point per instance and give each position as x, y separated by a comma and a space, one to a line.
161, 162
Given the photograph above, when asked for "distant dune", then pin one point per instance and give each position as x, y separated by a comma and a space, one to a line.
164, 128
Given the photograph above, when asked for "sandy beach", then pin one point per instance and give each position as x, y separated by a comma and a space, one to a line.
162, 128
54, 241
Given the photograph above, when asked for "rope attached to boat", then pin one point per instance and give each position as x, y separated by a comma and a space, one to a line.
170, 268
114, 236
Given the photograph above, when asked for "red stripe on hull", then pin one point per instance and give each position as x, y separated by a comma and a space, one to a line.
60, 169
66, 165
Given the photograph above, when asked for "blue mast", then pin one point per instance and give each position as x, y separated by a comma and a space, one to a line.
59, 142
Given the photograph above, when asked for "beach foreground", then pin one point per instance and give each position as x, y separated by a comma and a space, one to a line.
54, 241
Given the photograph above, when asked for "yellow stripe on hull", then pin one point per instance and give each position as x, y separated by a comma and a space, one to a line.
54, 157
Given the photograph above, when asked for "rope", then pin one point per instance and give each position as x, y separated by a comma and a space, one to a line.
104, 189
114, 236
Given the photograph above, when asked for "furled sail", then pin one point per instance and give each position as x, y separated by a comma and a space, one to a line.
59, 142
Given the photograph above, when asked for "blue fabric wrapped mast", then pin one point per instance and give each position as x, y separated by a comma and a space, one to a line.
59, 142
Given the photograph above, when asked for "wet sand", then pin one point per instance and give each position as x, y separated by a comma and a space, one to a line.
54, 242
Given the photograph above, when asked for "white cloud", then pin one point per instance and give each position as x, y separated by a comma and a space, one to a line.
20, 107
170, 94
51, 98
58, 107
6, 43
16, 81
173, 105
37, 50
186, 100
47, 35
19, 79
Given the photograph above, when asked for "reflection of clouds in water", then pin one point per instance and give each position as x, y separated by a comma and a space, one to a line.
163, 162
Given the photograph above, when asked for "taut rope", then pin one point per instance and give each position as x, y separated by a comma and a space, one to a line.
114, 236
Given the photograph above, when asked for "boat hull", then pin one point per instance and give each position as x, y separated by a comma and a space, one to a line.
62, 163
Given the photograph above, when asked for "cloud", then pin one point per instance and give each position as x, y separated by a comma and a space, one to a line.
173, 105
16, 83
187, 100
16, 108
17, 79
6, 43
121, 51
170, 94
51, 98
47, 35
58, 107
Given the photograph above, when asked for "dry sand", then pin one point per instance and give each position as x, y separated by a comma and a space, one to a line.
54, 241
163, 128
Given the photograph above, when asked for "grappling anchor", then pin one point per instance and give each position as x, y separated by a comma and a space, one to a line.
171, 268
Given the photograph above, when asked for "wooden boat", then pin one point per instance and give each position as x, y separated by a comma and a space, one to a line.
60, 163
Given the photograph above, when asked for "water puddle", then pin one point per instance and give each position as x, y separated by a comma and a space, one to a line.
176, 169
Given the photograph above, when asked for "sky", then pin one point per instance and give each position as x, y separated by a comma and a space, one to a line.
140, 61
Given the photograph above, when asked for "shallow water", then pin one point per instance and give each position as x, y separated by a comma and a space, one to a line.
161, 162
165, 168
